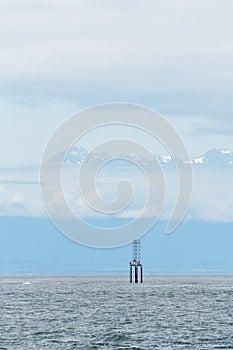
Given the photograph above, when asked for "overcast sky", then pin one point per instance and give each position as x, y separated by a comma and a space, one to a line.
59, 56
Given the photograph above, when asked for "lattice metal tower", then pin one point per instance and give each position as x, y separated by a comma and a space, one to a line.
136, 262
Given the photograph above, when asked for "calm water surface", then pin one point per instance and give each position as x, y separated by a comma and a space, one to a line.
109, 313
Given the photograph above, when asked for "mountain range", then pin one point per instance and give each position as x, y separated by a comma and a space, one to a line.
77, 155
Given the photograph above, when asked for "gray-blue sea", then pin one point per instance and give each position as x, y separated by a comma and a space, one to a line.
107, 312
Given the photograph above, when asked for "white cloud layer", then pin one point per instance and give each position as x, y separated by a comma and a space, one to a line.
212, 198
180, 51
59, 56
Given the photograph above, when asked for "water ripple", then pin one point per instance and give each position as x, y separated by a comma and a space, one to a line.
165, 313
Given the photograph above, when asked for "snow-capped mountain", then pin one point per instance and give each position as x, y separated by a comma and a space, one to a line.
215, 157
76, 156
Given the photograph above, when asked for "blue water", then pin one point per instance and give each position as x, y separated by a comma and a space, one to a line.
165, 312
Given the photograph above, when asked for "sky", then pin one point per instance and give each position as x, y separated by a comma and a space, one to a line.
58, 57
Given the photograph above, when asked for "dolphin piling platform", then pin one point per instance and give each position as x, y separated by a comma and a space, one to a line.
135, 264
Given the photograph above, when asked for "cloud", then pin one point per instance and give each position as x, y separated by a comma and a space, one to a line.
213, 131
212, 195
173, 54
20, 192
20, 201
60, 56
18, 182
212, 199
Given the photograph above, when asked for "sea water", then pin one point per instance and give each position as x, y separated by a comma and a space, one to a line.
107, 312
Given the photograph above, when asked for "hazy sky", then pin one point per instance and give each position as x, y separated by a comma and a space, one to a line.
58, 56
